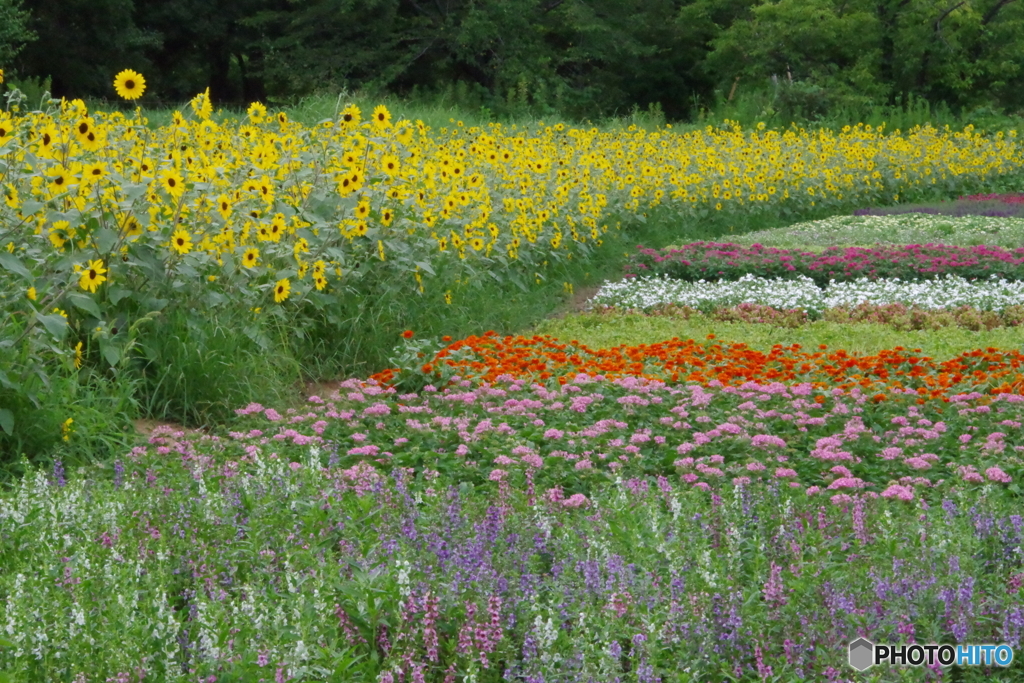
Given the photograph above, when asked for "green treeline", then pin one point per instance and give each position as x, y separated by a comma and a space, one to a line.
578, 58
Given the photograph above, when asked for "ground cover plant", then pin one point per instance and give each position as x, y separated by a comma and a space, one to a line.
891, 228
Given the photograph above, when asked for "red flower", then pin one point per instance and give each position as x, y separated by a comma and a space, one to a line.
407, 334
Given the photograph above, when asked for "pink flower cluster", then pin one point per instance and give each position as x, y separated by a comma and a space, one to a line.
727, 261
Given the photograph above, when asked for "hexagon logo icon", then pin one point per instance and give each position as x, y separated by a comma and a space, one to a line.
861, 654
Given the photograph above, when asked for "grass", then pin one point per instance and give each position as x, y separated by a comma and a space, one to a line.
606, 330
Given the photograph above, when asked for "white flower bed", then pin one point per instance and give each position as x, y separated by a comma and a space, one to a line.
953, 291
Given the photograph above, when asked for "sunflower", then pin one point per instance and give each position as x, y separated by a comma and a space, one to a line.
92, 276
60, 178
476, 243
94, 172
351, 116
381, 117
201, 105
281, 290
173, 183
181, 242
250, 257
320, 281
224, 206
389, 164
129, 84
257, 112
386, 216
363, 208
78, 355
83, 128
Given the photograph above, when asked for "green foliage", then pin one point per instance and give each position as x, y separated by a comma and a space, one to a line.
795, 60
14, 31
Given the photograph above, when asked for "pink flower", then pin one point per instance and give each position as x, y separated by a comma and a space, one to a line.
811, 490
899, 491
918, 463
296, 466
841, 471
741, 481
767, 441
848, 483
781, 472
497, 475
755, 467
532, 459
576, 500
996, 474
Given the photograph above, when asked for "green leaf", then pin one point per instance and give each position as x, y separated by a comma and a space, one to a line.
116, 294
7, 424
14, 264
105, 239
110, 352
54, 323
84, 303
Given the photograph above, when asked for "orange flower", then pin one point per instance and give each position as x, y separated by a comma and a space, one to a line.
407, 334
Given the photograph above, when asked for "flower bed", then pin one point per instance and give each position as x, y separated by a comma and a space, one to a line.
486, 358
942, 294
907, 228
185, 566
728, 261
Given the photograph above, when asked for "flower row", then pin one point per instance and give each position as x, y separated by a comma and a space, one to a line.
726, 261
893, 228
942, 294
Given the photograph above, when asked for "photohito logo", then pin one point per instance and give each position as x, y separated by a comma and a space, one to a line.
865, 654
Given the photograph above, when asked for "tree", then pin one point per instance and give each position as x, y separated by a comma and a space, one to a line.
14, 31
82, 44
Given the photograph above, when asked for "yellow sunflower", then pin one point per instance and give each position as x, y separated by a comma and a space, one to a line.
92, 276
173, 183
351, 116
250, 257
281, 290
181, 242
381, 117
129, 84
257, 112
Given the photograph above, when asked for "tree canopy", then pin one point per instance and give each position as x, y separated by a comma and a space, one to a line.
576, 57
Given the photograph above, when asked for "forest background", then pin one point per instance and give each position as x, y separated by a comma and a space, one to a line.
822, 61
